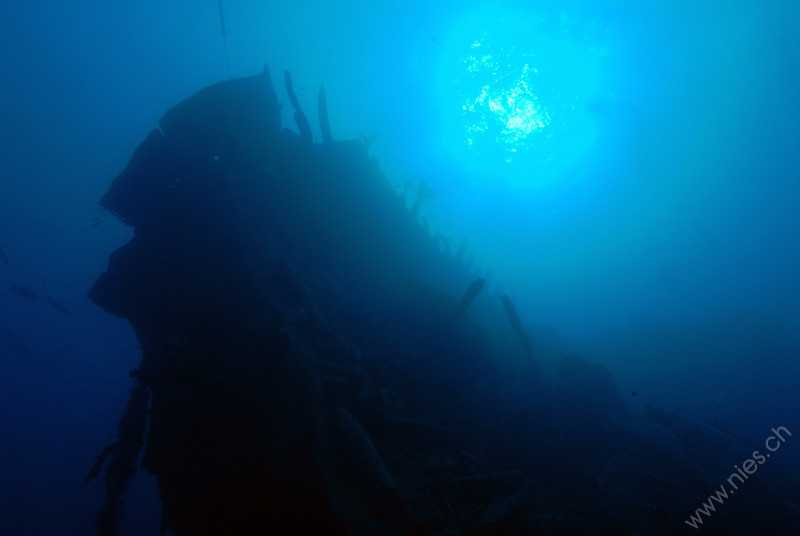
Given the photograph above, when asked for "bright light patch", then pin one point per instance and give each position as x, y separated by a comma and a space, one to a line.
515, 89
513, 104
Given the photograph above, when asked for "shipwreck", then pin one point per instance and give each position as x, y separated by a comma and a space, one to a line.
309, 365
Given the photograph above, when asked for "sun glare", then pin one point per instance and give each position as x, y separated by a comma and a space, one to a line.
515, 88
507, 107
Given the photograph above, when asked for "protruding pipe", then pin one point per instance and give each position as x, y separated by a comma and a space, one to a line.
473, 290
322, 108
272, 101
299, 117
513, 317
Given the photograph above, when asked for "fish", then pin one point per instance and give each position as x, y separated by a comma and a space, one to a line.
59, 306
25, 292
3, 256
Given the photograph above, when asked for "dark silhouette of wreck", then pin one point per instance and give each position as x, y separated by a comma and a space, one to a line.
305, 369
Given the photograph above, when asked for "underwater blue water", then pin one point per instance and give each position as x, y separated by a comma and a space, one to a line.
628, 172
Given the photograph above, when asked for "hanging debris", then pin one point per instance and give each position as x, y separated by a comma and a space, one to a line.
123, 453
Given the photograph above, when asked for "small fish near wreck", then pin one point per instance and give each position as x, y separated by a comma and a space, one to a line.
292, 383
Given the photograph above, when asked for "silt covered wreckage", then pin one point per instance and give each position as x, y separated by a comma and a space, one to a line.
309, 364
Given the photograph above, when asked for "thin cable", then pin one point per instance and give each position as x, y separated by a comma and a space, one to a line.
224, 38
